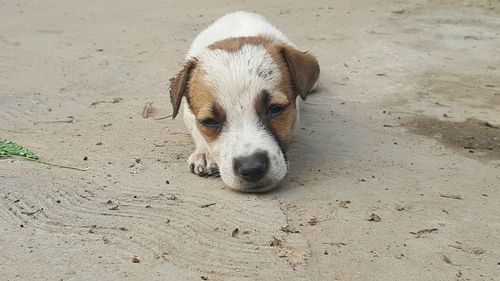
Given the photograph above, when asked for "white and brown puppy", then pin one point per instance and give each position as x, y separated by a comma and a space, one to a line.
241, 81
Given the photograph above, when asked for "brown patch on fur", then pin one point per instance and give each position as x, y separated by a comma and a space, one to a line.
282, 125
235, 43
201, 101
279, 98
210, 134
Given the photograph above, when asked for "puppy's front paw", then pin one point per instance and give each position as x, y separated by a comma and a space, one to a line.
202, 164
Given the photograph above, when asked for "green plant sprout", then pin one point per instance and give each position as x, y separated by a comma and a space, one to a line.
10, 149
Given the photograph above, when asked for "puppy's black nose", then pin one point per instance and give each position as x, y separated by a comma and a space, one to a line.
252, 168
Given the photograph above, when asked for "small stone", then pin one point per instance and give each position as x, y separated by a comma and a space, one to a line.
313, 221
275, 242
374, 217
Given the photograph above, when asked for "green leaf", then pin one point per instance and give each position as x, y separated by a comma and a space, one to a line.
8, 148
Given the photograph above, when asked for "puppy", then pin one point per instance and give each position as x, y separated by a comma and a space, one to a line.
241, 80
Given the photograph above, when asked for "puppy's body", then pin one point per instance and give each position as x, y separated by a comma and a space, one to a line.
241, 81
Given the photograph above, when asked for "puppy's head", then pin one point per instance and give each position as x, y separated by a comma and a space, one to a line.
242, 92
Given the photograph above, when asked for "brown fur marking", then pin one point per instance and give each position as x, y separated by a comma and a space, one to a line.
282, 125
203, 105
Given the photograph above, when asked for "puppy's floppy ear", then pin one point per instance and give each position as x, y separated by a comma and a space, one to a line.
179, 85
303, 68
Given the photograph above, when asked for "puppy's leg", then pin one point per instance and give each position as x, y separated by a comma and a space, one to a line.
200, 162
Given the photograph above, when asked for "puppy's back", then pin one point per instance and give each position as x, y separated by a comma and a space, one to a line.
236, 24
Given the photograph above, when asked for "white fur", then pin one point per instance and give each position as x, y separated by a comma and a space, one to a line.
236, 85
237, 24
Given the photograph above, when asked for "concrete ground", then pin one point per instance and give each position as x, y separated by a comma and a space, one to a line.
405, 126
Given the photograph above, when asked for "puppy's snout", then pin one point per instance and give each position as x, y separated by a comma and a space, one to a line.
252, 168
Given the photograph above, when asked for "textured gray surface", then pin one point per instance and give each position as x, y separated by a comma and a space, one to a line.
383, 63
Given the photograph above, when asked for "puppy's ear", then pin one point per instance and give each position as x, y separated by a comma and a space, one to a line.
179, 85
303, 68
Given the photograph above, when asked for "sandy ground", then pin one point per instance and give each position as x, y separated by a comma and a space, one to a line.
388, 133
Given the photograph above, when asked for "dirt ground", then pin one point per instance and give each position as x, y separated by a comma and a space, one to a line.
405, 126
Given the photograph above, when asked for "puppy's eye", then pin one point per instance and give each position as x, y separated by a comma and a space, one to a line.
210, 122
275, 109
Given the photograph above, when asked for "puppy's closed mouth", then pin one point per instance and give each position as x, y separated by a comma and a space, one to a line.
240, 87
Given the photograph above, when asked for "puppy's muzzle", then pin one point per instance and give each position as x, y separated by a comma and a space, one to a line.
252, 168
